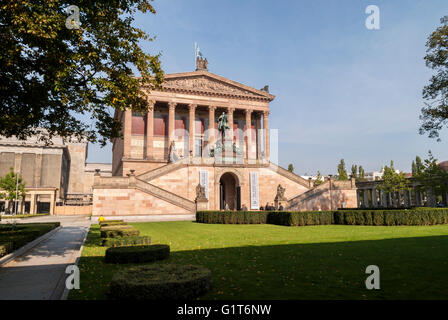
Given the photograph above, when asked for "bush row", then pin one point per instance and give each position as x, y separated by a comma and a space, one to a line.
5, 248
112, 222
14, 236
160, 282
118, 231
416, 216
126, 241
232, 217
301, 218
138, 254
413, 217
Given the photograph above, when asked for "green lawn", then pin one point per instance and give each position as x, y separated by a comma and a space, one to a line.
277, 262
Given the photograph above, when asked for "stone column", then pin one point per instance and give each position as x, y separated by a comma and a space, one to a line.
52, 203
171, 119
266, 134
366, 198
248, 132
358, 198
191, 127
374, 198
258, 133
150, 130
211, 124
127, 133
33, 204
229, 134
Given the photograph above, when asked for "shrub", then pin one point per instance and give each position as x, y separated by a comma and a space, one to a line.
5, 248
418, 216
118, 231
160, 282
126, 241
232, 217
112, 223
137, 254
300, 218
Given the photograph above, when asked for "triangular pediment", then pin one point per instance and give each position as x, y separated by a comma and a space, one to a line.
204, 82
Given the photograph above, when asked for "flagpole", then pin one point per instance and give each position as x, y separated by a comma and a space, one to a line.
17, 189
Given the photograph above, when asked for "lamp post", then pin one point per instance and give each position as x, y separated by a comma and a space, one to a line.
331, 196
17, 189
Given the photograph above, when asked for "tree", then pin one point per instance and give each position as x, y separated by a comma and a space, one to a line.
435, 112
290, 168
393, 182
432, 178
361, 174
51, 74
342, 172
318, 180
354, 171
12, 187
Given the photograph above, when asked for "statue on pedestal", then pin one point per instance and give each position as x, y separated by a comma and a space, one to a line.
223, 124
200, 193
173, 152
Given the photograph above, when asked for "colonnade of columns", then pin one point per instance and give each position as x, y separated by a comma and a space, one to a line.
374, 198
192, 113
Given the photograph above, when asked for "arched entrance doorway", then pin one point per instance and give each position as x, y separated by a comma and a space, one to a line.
229, 192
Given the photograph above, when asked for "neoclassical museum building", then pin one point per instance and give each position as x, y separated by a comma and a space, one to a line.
179, 157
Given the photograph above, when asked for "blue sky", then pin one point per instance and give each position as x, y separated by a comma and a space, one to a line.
342, 91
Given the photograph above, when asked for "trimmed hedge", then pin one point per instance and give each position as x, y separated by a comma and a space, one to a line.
413, 217
418, 216
20, 234
119, 231
111, 222
5, 248
126, 241
300, 218
232, 217
137, 254
160, 282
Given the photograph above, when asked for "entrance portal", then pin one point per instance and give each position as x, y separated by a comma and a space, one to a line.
229, 192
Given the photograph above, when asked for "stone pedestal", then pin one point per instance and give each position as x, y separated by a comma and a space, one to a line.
201, 204
280, 202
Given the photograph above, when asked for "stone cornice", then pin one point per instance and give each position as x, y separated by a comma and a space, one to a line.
208, 84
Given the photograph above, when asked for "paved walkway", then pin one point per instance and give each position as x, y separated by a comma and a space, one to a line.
39, 274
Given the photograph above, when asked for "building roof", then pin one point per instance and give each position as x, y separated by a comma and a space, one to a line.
444, 165
206, 83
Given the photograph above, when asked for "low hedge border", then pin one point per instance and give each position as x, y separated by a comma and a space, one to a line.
5, 248
112, 223
413, 217
18, 235
232, 217
126, 241
160, 282
137, 254
418, 216
118, 231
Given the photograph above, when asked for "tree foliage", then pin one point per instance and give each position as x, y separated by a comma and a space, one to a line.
290, 168
9, 184
393, 181
431, 177
435, 112
50, 74
318, 180
342, 171
354, 172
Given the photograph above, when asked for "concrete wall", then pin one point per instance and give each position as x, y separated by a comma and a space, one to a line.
116, 202
72, 210
342, 194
